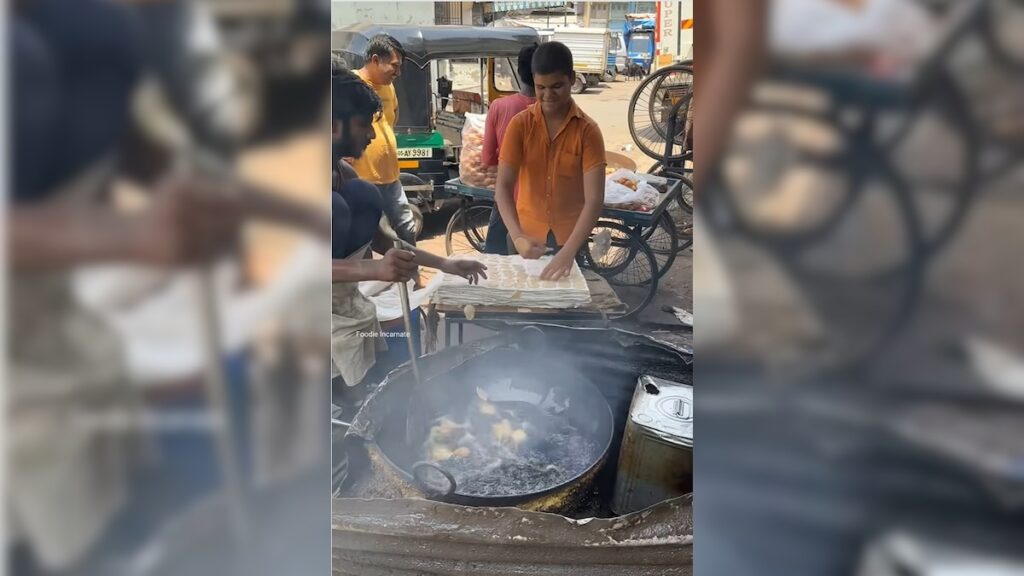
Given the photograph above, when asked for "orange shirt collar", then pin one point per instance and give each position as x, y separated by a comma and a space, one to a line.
574, 110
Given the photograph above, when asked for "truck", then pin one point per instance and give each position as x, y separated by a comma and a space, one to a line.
639, 35
590, 48
616, 57
673, 32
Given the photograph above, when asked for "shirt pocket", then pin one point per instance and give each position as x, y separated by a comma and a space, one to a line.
569, 165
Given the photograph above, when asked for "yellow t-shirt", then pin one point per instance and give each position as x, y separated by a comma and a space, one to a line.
379, 163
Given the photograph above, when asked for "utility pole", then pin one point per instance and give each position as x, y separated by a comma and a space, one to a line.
586, 14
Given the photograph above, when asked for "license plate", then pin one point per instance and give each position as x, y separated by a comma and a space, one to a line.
415, 152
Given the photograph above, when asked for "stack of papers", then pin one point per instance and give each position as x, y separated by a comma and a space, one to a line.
513, 281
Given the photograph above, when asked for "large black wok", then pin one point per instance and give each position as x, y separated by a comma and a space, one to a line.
530, 380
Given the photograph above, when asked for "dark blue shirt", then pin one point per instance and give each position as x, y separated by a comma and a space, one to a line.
75, 66
356, 208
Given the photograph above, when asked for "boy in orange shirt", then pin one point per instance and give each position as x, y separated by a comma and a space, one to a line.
555, 153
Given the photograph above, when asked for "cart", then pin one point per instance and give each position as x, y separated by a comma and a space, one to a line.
643, 245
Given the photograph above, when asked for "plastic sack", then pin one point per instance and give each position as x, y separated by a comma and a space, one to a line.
615, 194
901, 29
472, 170
626, 189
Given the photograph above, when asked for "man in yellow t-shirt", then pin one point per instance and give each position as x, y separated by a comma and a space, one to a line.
379, 164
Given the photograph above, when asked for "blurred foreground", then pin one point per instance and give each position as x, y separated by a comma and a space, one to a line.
168, 362
860, 340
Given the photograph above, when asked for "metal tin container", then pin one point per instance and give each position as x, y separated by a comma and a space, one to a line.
656, 459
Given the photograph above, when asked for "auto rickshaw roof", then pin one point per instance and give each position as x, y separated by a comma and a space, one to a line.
425, 43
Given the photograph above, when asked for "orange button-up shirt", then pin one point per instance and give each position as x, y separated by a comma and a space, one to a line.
550, 172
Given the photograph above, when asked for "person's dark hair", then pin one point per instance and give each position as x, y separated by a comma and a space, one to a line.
526, 65
553, 58
383, 45
350, 96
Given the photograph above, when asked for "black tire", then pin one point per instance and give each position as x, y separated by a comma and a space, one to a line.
417, 220
648, 124
467, 229
1003, 21
580, 85
629, 266
685, 200
663, 238
680, 211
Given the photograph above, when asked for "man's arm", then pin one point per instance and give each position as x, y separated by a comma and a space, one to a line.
731, 34
262, 204
185, 221
56, 236
504, 190
384, 243
593, 204
504, 186
396, 266
145, 162
594, 162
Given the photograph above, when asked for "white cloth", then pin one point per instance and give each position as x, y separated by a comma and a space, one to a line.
355, 330
386, 297
66, 475
161, 343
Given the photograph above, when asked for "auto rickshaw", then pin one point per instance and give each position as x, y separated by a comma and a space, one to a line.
448, 71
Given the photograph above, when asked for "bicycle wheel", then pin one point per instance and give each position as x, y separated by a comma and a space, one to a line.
628, 265
467, 229
650, 107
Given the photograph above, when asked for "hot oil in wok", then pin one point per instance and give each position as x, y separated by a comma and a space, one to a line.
508, 449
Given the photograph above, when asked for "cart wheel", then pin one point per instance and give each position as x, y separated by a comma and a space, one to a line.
467, 229
628, 265
623, 263
685, 200
663, 239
